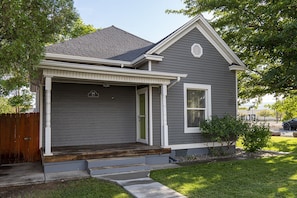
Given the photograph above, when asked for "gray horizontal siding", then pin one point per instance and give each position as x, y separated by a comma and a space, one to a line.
156, 117
80, 120
211, 69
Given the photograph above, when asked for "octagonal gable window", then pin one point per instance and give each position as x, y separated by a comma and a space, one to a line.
197, 50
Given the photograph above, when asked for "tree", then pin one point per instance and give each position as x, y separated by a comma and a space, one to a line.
4, 106
15, 87
80, 28
265, 113
287, 107
25, 28
263, 34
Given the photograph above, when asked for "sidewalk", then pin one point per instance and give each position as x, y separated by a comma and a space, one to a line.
21, 174
140, 185
32, 173
137, 183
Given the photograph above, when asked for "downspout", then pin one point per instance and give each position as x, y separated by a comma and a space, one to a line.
173, 83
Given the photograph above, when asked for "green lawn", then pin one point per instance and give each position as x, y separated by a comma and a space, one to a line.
73, 189
278, 143
267, 177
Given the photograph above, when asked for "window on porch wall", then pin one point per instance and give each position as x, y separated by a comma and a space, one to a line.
197, 106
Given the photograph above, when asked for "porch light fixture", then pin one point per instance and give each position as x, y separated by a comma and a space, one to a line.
93, 94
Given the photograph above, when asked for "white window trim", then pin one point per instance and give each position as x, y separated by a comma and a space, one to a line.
208, 112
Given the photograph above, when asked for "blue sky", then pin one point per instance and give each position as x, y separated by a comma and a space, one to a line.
144, 18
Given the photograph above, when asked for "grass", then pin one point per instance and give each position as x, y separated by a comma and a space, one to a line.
87, 188
278, 143
266, 177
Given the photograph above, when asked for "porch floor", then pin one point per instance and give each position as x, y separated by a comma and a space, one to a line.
69, 153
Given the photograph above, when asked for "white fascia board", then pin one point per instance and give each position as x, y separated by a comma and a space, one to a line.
147, 57
101, 61
83, 59
236, 68
205, 28
106, 70
153, 57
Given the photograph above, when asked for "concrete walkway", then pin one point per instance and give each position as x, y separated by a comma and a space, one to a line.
32, 173
137, 183
140, 185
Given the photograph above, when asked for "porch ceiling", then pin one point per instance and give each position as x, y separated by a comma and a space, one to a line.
75, 71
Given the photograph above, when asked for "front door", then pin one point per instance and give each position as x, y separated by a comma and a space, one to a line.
142, 115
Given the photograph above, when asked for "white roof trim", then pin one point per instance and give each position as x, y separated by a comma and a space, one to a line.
204, 27
101, 61
236, 68
148, 57
57, 65
83, 59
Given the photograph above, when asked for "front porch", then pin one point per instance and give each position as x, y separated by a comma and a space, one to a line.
87, 97
70, 153
105, 158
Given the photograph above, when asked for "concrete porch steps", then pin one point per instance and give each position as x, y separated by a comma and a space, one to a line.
96, 166
99, 167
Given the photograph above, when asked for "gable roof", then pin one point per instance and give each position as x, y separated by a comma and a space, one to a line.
211, 35
115, 46
108, 43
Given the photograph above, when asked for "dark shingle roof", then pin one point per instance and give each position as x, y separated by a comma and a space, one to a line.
109, 43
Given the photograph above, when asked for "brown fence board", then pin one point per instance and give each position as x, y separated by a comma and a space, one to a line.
19, 138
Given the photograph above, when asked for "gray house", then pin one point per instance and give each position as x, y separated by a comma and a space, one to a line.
111, 89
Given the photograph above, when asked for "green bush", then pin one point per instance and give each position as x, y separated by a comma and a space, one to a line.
256, 137
225, 129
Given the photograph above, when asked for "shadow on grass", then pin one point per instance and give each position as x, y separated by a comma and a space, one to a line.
266, 177
284, 145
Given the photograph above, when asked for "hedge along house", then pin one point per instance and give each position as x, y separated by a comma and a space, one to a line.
113, 88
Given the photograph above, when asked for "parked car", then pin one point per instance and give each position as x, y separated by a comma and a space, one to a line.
290, 124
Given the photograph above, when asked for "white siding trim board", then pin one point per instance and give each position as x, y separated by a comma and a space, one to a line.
197, 145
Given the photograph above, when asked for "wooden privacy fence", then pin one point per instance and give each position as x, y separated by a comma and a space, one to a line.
19, 138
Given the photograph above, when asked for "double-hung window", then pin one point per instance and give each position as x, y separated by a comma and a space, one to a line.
197, 106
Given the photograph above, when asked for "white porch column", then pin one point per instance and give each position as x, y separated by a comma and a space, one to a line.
48, 130
40, 108
164, 125
151, 142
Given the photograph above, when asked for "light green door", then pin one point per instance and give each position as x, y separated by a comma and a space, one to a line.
142, 115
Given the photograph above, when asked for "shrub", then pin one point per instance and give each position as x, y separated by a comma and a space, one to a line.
256, 137
225, 129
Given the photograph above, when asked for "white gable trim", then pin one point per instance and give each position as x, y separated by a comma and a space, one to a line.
203, 26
